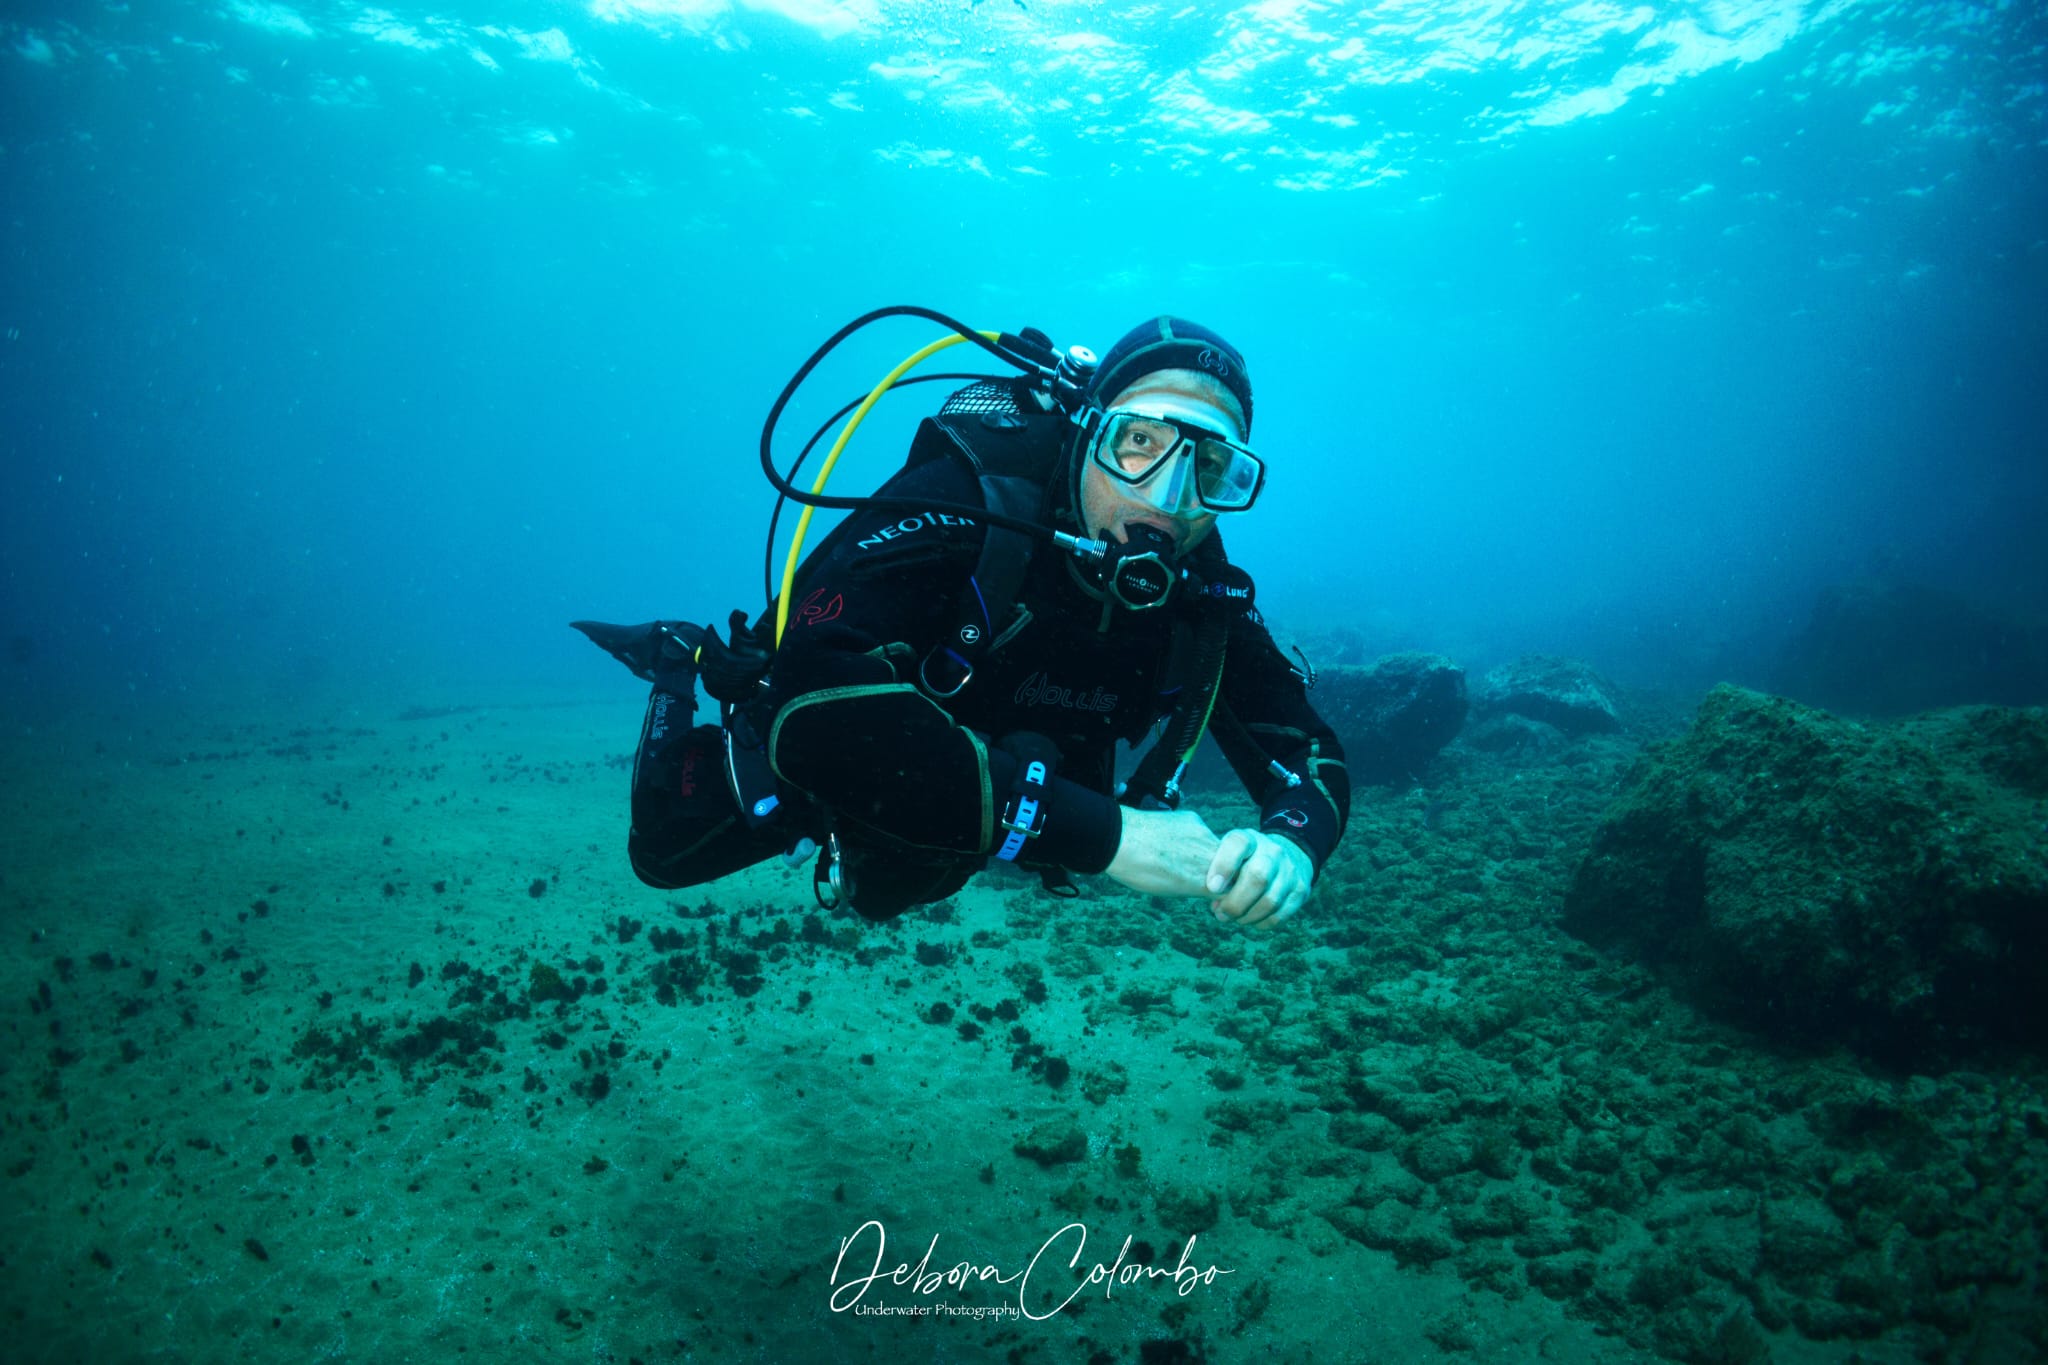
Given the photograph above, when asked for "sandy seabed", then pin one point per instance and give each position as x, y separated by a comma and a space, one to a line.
351, 1036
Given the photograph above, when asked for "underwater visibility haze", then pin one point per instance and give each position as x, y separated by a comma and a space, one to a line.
1652, 403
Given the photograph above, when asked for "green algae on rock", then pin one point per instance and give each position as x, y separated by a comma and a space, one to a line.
1563, 693
1822, 880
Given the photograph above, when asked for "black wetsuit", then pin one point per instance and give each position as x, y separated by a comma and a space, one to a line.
915, 784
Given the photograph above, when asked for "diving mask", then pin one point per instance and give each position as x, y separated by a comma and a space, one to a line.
1173, 463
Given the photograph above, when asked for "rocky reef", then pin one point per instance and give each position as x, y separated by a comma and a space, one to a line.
1394, 715
1823, 880
1565, 694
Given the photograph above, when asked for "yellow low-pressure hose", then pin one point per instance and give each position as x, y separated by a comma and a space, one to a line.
803, 523
1215, 686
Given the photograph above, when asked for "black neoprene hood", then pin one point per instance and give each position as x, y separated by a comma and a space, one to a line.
1170, 343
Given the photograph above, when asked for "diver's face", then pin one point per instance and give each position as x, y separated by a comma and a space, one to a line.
1109, 509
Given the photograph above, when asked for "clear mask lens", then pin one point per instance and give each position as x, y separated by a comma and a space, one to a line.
1177, 466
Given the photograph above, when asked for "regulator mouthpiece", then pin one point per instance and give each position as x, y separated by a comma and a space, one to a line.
1140, 573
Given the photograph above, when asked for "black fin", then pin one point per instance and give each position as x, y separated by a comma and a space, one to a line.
648, 648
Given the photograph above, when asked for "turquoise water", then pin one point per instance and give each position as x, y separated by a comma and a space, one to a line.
347, 339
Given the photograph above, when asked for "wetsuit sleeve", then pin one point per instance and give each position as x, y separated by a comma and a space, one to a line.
1269, 720
853, 731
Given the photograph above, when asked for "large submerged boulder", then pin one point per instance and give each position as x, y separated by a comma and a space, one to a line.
1392, 716
1562, 693
1880, 886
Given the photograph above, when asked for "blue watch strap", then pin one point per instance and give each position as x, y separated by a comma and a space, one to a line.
1025, 816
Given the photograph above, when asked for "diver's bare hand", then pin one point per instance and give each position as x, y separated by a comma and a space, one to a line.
1257, 880
1164, 853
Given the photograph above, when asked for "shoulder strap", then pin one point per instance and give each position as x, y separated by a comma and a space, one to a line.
1222, 594
1014, 457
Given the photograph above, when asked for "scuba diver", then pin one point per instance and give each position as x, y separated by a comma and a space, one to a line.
943, 681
